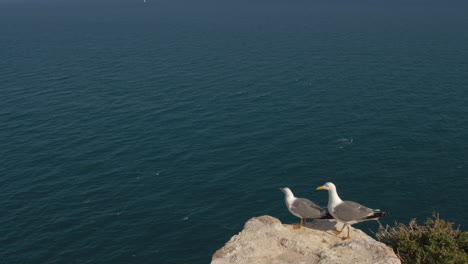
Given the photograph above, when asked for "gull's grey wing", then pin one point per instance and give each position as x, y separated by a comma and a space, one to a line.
307, 209
350, 211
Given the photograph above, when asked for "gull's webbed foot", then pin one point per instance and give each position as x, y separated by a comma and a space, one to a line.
297, 227
336, 232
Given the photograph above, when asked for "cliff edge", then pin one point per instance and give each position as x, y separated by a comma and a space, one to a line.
265, 239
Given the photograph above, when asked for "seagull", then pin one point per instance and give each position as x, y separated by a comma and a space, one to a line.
348, 212
303, 208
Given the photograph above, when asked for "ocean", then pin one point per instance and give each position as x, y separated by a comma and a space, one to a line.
137, 132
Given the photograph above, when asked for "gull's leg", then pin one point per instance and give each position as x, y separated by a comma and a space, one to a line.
346, 237
336, 232
299, 225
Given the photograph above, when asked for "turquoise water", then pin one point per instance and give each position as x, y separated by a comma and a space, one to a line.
137, 133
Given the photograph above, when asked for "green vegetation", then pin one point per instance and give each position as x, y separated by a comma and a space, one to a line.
434, 242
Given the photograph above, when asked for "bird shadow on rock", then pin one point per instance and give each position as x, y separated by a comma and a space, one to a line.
322, 225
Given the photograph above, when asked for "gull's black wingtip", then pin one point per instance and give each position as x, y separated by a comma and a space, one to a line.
382, 213
327, 216
377, 215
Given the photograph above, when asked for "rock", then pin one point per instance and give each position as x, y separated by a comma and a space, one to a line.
265, 239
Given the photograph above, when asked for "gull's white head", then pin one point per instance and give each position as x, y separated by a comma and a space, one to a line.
286, 191
327, 186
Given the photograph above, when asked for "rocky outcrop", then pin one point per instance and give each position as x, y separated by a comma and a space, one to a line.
266, 240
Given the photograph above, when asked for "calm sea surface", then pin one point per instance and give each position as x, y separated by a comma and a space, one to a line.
149, 133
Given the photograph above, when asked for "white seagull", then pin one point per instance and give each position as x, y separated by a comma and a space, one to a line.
348, 212
303, 208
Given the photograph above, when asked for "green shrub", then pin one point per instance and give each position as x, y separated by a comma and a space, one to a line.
435, 242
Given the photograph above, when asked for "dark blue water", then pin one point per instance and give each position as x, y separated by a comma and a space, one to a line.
136, 133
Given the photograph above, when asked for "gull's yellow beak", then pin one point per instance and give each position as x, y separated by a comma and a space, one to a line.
280, 189
320, 188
